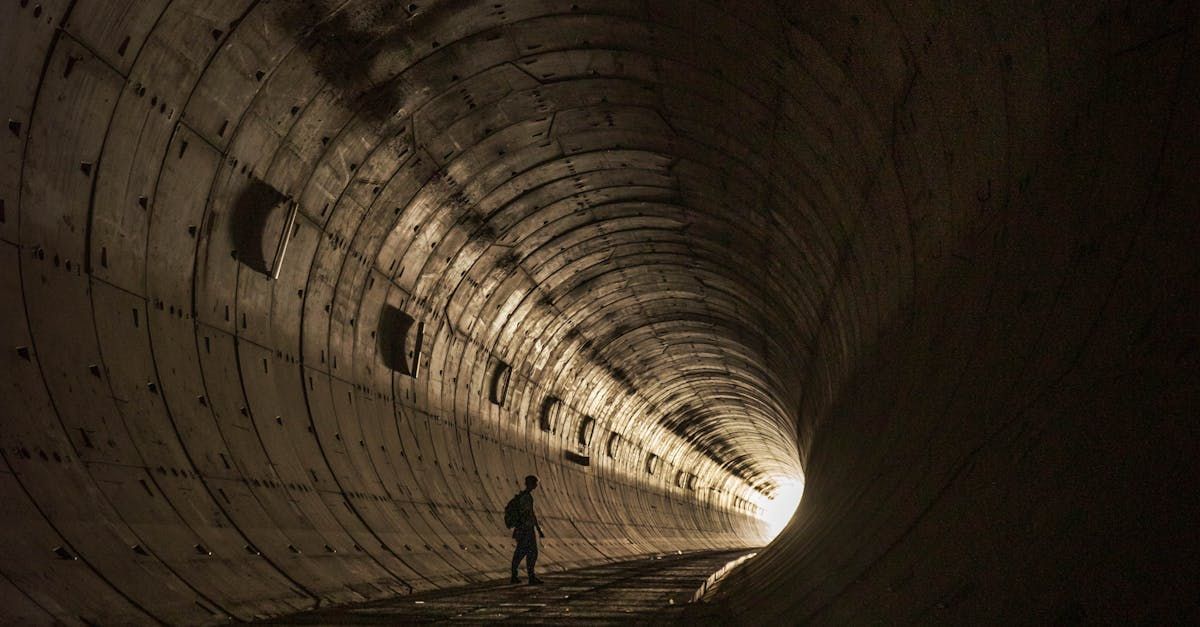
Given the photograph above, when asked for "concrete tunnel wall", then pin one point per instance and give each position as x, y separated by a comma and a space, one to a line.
940, 258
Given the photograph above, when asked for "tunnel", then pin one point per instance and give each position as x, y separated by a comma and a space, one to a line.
293, 294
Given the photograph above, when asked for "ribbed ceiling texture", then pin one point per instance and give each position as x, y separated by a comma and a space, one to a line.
294, 293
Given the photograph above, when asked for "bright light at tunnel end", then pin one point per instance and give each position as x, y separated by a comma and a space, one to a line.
777, 510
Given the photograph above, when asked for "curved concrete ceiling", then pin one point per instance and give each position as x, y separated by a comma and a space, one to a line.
294, 293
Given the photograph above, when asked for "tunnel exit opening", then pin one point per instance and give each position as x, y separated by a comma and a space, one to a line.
777, 510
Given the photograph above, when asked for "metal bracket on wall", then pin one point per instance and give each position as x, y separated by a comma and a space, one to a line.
285, 237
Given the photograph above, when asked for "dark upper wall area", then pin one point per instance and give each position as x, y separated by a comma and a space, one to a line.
292, 294
1019, 443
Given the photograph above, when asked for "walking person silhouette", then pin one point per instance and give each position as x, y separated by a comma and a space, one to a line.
519, 515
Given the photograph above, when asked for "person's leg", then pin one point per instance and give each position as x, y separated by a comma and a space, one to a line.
518, 555
530, 561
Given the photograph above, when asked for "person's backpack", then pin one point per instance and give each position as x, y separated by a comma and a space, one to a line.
512, 512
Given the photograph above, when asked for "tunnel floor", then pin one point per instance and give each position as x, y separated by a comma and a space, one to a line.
652, 590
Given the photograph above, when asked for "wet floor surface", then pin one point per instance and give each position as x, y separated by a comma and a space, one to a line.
644, 591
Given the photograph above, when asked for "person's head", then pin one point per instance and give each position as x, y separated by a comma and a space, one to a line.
530, 482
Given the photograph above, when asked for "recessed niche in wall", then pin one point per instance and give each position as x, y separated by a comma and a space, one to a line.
614, 444
400, 341
498, 390
586, 426
651, 463
582, 460
261, 225
549, 413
